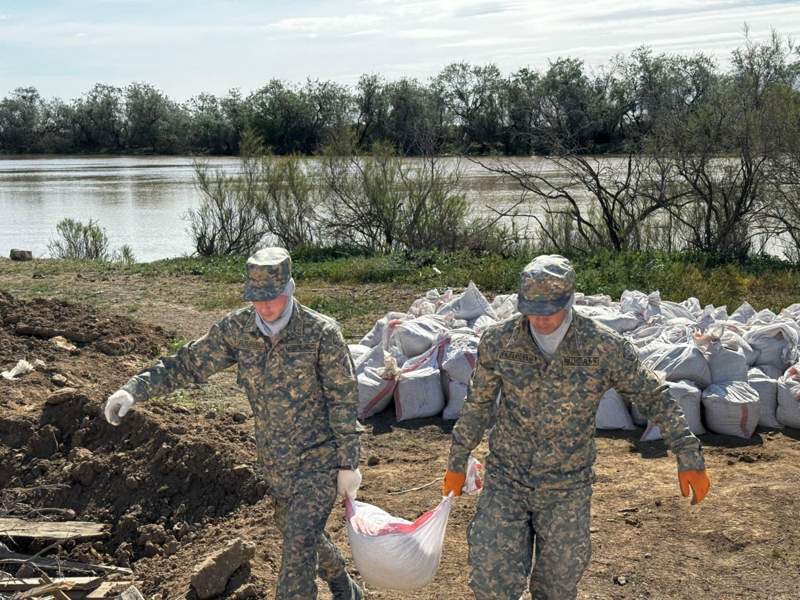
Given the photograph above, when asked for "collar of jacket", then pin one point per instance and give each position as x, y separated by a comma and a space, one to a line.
571, 344
294, 328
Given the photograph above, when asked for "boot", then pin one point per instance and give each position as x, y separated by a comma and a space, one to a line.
344, 588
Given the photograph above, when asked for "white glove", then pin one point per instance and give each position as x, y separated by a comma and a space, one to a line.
348, 483
117, 406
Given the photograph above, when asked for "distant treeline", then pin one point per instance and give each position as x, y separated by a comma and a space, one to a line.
465, 108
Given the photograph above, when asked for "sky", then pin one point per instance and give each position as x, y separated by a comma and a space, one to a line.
64, 47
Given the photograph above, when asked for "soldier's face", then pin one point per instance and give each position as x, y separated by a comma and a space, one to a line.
270, 310
546, 324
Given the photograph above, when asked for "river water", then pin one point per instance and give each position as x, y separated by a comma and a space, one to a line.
140, 201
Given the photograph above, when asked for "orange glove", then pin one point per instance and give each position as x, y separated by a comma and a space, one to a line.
453, 482
699, 482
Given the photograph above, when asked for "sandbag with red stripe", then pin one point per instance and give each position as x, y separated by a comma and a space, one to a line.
731, 408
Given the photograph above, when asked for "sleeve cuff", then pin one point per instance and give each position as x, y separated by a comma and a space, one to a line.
136, 388
348, 457
691, 460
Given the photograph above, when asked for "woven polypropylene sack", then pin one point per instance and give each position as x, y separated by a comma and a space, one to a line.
731, 408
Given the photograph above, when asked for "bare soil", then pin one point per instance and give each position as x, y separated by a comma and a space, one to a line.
179, 477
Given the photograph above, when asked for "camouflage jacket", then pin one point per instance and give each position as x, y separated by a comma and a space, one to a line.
544, 421
301, 387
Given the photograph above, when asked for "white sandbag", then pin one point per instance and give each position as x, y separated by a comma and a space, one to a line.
612, 412
776, 343
792, 312
731, 408
726, 364
610, 317
644, 306
731, 339
504, 306
593, 299
767, 390
416, 336
392, 553
374, 392
482, 323
456, 396
376, 334
419, 387
688, 396
459, 357
761, 318
357, 351
673, 310
422, 306
788, 412
469, 305
693, 306
743, 314
418, 394
770, 371
681, 361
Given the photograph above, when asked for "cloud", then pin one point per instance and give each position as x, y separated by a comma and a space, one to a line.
327, 25
481, 9
424, 33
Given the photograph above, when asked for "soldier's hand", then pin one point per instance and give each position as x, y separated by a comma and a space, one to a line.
698, 481
453, 482
348, 482
117, 406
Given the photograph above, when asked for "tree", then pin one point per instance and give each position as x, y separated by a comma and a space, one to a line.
100, 118
20, 120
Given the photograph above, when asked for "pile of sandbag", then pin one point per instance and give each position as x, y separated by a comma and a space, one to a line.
728, 372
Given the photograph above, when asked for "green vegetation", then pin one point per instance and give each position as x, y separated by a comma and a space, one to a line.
763, 281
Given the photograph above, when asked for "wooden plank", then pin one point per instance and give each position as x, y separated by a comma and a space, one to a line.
26, 583
8, 557
62, 530
107, 588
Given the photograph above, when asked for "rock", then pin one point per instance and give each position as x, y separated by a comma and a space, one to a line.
239, 417
63, 343
150, 550
211, 576
620, 580
66, 394
373, 461
153, 533
20, 254
58, 380
171, 546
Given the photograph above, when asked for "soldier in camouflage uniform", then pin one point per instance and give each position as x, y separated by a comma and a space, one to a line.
296, 370
539, 470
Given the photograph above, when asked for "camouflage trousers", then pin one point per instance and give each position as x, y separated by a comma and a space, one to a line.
509, 521
302, 506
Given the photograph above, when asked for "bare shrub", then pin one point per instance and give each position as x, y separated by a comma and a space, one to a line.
79, 241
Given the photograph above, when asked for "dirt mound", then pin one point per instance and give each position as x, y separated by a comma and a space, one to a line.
45, 318
155, 478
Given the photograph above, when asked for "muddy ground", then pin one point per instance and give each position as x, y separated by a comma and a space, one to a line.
178, 478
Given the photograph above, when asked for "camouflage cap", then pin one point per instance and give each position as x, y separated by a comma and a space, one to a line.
268, 272
546, 285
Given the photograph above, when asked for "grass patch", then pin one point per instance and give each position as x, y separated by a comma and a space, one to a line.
764, 281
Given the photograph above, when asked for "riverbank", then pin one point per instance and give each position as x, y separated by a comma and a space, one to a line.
352, 288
